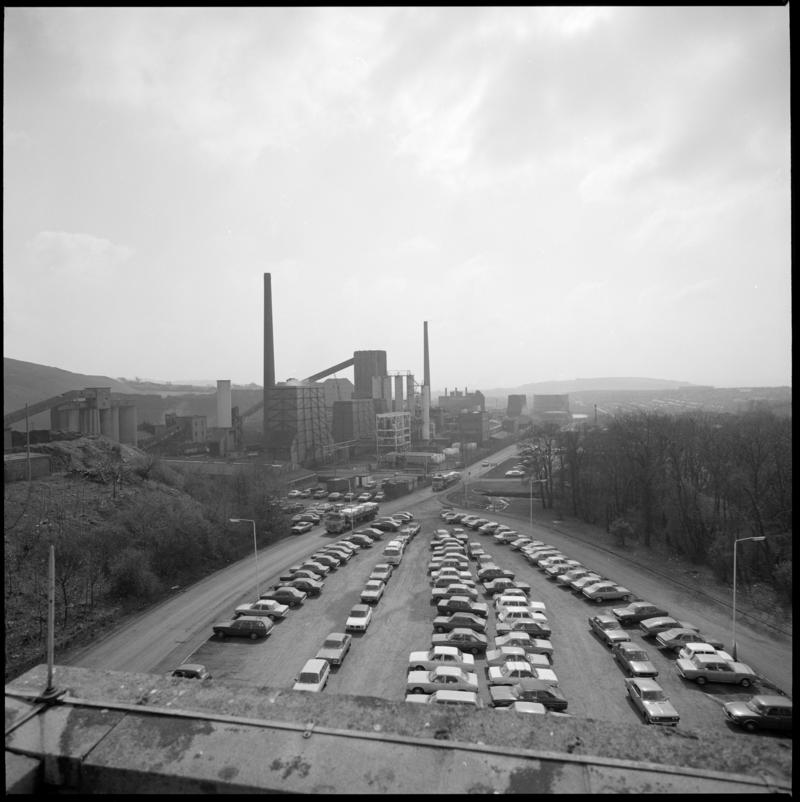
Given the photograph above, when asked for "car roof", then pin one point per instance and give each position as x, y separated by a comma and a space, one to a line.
360, 607
770, 700
315, 664
251, 618
446, 694
645, 683
191, 667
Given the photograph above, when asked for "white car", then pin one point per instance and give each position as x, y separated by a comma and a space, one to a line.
508, 654
512, 672
359, 618
446, 697
373, 590
267, 607
313, 677
514, 472
440, 656
440, 678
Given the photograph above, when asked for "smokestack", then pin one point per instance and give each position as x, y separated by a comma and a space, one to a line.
224, 403
426, 372
269, 347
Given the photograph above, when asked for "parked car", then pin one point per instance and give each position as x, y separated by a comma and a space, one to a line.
650, 627
572, 573
191, 671
359, 618
633, 660
331, 560
301, 527
675, 639
297, 573
447, 623
449, 678
513, 473
246, 626
293, 597
578, 584
606, 591
318, 568
703, 668
691, 649
489, 572
512, 672
456, 589
372, 591
761, 712
313, 676
267, 607
468, 640
528, 690
503, 584
381, 571
365, 497
508, 614
440, 656
651, 702
533, 627
446, 697
555, 570
387, 526
335, 647
462, 604
523, 639
507, 654
312, 587
607, 629
360, 540
636, 612
403, 515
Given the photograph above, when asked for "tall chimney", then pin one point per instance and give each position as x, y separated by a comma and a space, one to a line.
224, 412
269, 347
426, 373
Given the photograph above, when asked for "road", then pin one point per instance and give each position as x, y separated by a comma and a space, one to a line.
179, 630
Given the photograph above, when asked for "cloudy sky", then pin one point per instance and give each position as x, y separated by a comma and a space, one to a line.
559, 192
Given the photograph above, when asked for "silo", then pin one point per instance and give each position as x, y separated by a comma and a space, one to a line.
410, 392
398, 394
386, 390
366, 366
224, 403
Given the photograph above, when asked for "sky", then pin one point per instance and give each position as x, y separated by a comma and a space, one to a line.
560, 192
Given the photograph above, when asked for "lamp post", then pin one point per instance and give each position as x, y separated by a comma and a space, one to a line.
255, 547
740, 540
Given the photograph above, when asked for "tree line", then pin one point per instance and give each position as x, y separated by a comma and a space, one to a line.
693, 483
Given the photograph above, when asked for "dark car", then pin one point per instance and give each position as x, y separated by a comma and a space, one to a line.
191, 671
528, 690
446, 623
387, 526
284, 594
245, 626
636, 612
465, 639
762, 712
313, 587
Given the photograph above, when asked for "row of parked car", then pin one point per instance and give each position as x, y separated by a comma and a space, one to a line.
518, 667
316, 671
699, 658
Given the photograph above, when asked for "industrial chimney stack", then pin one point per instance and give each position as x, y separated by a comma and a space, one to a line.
269, 347
426, 387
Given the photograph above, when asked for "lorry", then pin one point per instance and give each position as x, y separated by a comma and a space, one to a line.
703, 668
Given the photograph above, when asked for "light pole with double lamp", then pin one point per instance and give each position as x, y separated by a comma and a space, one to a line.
255, 547
740, 540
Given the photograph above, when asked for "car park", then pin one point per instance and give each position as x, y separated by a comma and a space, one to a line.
440, 656
512, 672
335, 647
554, 571
313, 676
331, 561
372, 591
441, 678
675, 639
528, 690
450, 572
266, 607
318, 568
572, 573
360, 540
633, 659
359, 618
387, 526
607, 628
299, 573
456, 589
468, 640
191, 671
760, 712
489, 572
301, 528
637, 611
502, 585
577, 585
651, 702
508, 614
246, 626
403, 515
650, 627
606, 591
411, 529
446, 697
285, 594
530, 644
461, 620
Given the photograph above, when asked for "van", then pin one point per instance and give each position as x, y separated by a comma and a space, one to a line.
393, 552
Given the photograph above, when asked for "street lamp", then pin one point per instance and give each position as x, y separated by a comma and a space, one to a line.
255, 546
740, 540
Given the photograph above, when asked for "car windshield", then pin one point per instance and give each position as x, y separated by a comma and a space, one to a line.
631, 655
309, 677
653, 695
358, 614
332, 643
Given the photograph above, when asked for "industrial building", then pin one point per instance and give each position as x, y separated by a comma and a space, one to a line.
551, 407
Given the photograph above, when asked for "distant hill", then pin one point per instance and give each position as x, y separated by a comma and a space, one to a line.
582, 385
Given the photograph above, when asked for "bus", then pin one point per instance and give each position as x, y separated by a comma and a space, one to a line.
440, 481
341, 520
